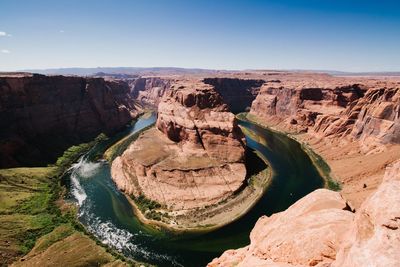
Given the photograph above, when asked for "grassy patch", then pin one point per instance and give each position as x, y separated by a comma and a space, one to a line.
31, 219
149, 208
56, 235
28, 207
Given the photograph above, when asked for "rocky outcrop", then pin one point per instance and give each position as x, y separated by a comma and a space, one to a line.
321, 230
149, 90
194, 157
41, 116
237, 93
374, 235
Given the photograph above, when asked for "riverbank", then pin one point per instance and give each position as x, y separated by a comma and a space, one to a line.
210, 218
116, 148
37, 225
357, 170
321, 165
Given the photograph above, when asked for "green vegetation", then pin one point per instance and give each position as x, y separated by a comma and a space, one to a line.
149, 208
146, 204
324, 169
31, 207
74, 152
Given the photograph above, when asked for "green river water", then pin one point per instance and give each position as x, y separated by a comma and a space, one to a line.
108, 215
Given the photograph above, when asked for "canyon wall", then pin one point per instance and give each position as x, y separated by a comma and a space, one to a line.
41, 116
149, 90
322, 230
238, 94
369, 111
193, 158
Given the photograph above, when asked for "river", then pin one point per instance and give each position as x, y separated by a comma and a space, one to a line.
108, 215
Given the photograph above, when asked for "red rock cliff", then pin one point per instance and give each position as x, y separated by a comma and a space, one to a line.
362, 111
149, 90
40, 116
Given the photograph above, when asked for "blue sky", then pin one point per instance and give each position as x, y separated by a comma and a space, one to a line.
219, 34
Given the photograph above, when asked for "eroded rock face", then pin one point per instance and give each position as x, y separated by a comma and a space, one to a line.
149, 90
195, 114
379, 115
40, 116
368, 112
321, 230
303, 105
195, 156
374, 238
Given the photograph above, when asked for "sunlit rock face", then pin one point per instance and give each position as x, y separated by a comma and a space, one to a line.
193, 158
40, 116
367, 111
321, 230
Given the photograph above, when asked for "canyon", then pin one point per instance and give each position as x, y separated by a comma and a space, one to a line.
194, 157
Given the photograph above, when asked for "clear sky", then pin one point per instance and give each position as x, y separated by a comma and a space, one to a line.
315, 34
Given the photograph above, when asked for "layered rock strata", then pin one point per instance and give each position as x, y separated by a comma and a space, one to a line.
192, 159
149, 90
41, 116
369, 111
321, 230
352, 123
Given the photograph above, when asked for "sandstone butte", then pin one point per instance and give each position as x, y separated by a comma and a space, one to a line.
191, 160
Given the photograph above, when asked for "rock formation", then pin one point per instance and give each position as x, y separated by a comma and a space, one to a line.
41, 116
353, 123
333, 108
195, 156
321, 230
149, 90
237, 93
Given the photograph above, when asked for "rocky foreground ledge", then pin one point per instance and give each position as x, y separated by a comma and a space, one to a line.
321, 229
190, 167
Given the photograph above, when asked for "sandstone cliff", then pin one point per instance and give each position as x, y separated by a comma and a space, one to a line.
41, 116
237, 93
321, 230
333, 108
149, 90
192, 159
352, 123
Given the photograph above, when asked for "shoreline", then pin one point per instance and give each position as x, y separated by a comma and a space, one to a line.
319, 161
215, 216
245, 204
356, 168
